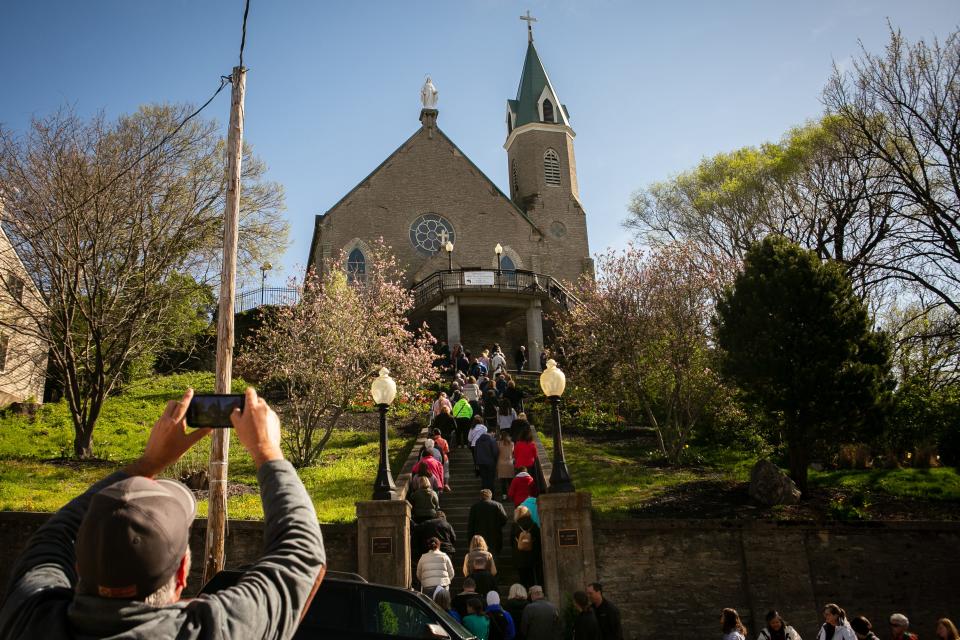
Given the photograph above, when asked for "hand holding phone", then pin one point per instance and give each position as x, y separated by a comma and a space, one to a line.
258, 429
213, 409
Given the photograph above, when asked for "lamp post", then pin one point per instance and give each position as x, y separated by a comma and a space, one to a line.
449, 248
553, 382
383, 390
266, 266
499, 251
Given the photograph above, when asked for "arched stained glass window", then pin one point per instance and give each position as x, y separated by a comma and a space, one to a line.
551, 167
356, 266
506, 264
548, 111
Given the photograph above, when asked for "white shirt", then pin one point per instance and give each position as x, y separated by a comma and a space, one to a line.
477, 431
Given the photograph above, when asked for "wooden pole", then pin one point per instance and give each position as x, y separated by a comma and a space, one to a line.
220, 444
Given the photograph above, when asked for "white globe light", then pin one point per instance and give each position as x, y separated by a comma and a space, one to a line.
552, 380
383, 389
498, 249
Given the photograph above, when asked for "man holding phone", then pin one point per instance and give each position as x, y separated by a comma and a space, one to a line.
114, 561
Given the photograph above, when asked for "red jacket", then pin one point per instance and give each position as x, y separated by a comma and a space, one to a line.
435, 468
524, 453
522, 487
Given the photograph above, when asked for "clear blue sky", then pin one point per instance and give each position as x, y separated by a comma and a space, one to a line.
333, 88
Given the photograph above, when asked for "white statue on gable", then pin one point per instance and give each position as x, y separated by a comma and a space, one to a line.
428, 94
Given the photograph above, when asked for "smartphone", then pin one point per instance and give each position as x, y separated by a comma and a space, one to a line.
213, 409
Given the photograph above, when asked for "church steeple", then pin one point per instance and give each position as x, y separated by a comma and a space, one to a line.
537, 100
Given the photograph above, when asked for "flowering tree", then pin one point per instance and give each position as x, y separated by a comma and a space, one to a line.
640, 337
324, 351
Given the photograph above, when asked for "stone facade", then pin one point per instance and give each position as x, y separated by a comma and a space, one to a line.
23, 354
672, 578
541, 225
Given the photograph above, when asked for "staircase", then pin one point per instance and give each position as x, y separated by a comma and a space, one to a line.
456, 505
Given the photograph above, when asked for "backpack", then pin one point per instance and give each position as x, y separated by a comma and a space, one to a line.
524, 540
498, 625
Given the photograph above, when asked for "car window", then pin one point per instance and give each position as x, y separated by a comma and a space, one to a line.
333, 609
395, 614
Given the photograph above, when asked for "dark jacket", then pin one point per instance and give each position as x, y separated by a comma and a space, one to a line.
437, 528
515, 609
424, 504
541, 621
585, 626
487, 519
445, 422
608, 617
460, 601
487, 450
515, 396
267, 601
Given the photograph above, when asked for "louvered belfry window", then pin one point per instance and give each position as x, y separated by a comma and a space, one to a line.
551, 167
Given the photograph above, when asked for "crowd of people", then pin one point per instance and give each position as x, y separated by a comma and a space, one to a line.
527, 615
836, 626
491, 361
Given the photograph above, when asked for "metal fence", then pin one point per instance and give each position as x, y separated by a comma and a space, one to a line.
265, 296
441, 283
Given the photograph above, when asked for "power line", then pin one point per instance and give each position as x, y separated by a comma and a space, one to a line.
243, 36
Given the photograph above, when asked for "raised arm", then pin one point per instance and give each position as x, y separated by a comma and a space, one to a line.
270, 598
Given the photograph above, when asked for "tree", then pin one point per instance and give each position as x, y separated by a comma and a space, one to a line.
816, 187
641, 337
904, 105
324, 351
108, 239
798, 342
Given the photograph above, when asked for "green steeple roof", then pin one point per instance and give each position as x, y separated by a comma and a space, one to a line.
533, 80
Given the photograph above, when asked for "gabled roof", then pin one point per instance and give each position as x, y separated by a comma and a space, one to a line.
533, 79
319, 219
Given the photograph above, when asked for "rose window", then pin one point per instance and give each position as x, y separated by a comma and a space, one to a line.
430, 232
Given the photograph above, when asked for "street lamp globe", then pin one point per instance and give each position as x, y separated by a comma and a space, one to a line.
552, 380
498, 249
449, 246
384, 389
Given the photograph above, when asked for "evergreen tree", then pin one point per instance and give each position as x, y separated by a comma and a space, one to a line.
798, 341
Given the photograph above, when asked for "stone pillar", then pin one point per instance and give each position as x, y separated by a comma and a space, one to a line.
383, 542
566, 531
453, 321
534, 334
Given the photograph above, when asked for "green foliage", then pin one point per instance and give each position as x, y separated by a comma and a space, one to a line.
926, 484
35, 474
798, 342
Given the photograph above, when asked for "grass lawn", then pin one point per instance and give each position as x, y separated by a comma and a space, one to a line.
626, 480
927, 484
36, 473
622, 476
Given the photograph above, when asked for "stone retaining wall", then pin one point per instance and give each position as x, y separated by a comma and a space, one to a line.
244, 543
672, 578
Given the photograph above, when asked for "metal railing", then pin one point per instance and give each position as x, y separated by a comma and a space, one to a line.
265, 296
432, 289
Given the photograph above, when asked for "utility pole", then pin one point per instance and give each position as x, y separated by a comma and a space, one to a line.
220, 444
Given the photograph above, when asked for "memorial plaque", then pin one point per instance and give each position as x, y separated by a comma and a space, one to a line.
569, 537
382, 546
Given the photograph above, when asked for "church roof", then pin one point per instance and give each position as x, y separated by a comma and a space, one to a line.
320, 218
533, 80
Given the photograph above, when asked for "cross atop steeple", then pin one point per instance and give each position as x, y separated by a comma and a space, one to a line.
530, 20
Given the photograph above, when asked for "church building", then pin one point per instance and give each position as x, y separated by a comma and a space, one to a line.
484, 266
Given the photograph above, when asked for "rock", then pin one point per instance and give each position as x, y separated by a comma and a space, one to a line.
770, 486
196, 480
